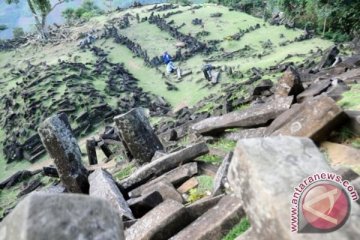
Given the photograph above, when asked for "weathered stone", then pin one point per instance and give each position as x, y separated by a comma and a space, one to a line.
220, 179
105, 148
354, 121
138, 135
329, 57
201, 206
188, 185
91, 151
141, 205
244, 133
103, 186
15, 178
352, 76
175, 177
315, 89
158, 154
163, 165
251, 117
264, 172
160, 223
264, 85
215, 223
314, 118
61, 216
29, 187
166, 190
289, 84
341, 155
50, 171
207, 168
60, 143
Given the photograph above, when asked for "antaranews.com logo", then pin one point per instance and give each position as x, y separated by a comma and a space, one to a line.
321, 203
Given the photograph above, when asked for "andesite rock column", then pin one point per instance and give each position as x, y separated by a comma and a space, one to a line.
60, 143
138, 135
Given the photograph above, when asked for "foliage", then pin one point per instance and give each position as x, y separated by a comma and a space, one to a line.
208, 158
194, 195
3, 27
40, 10
87, 10
336, 16
18, 32
238, 229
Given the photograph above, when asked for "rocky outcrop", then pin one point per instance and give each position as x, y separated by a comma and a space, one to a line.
261, 172
314, 118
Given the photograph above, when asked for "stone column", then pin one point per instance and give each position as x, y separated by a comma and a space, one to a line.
60, 143
138, 135
91, 151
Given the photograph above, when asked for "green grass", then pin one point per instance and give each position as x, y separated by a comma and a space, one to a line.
125, 172
238, 229
224, 144
208, 158
351, 99
203, 189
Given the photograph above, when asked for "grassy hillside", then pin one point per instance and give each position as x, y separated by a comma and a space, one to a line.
192, 88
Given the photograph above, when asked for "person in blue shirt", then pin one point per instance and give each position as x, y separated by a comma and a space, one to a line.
170, 67
166, 58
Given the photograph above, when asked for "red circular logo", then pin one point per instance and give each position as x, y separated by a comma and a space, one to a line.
326, 206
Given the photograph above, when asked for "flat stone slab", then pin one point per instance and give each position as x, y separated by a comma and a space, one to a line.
342, 155
166, 190
189, 184
103, 186
215, 223
221, 175
251, 117
245, 133
163, 165
160, 223
175, 177
314, 119
263, 174
201, 206
62, 216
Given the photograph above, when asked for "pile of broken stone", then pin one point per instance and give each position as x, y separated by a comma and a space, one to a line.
276, 149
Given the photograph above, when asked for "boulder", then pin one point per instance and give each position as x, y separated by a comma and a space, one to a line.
251, 117
289, 84
329, 57
138, 135
163, 165
160, 223
314, 118
60, 143
103, 186
61, 216
265, 172
214, 223
175, 177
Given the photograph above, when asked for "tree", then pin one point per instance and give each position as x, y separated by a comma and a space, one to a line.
18, 32
3, 27
40, 9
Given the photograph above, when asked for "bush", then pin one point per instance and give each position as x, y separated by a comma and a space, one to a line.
3, 27
18, 32
87, 10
